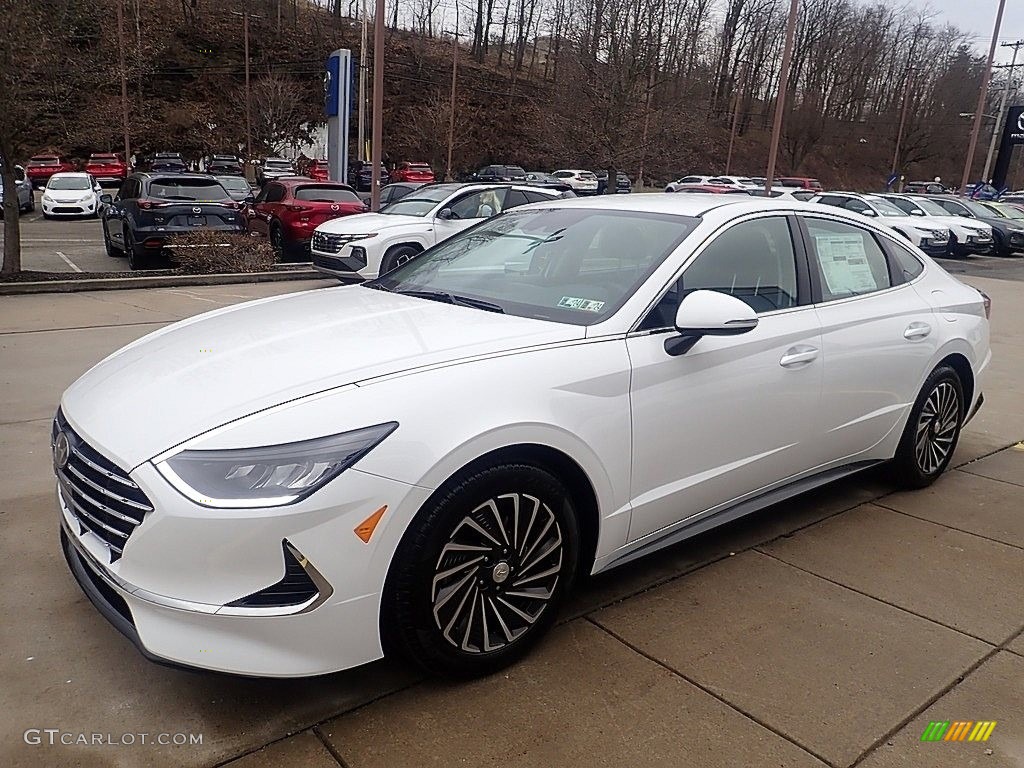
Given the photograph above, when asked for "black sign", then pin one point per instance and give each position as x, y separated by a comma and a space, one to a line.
1013, 134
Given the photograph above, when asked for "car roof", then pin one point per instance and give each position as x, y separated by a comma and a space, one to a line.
695, 204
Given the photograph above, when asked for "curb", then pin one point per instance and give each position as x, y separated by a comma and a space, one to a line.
156, 281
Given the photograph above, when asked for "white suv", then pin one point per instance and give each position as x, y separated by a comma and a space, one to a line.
370, 244
931, 238
582, 182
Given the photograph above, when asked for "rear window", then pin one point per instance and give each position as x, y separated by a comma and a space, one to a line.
45, 161
515, 170
197, 190
419, 167
103, 159
325, 194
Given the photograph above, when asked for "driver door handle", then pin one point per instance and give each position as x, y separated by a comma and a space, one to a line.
917, 331
799, 356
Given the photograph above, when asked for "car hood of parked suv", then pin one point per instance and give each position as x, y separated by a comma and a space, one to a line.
204, 372
372, 222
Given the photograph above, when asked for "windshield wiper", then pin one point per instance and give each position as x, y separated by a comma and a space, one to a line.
451, 298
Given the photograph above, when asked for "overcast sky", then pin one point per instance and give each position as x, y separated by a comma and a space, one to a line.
978, 17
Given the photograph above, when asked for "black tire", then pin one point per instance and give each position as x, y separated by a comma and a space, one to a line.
32, 201
112, 250
426, 614
136, 260
932, 431
396, 257
277, 242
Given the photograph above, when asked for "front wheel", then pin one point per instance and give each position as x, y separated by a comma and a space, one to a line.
479, 576
396, 257
932, 431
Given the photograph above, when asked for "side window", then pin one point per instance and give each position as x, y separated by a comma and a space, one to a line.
753, 261
855, 205
514, 198
479, 205
538, 197
275, 194
849, 260
262, 196
906, 262
690, 180
953, 207
122, 193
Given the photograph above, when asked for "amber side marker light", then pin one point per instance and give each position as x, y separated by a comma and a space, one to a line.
365, 529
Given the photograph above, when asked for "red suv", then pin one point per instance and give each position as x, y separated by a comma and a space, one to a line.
106, 167
288, 210
799, 182
319, 170
41, 167
412, 172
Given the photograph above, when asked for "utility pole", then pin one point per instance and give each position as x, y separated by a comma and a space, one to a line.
448, 176
780, 100
968, 162
378, 105
248, 100
124, 81
647, 125
1002, 107
735, 116
361, 152
899, 133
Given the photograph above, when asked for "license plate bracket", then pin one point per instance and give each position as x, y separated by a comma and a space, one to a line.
197, 221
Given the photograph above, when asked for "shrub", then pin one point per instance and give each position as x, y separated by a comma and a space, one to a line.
207, 251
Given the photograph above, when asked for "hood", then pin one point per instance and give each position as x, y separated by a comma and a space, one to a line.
193, 376
961, 225
369, 222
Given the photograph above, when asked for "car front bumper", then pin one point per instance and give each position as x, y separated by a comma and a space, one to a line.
56, 208
170, 591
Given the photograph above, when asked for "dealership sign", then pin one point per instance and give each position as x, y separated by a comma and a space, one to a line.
1013, 134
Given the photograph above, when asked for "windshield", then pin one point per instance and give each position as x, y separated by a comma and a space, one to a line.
236, 183
884, 207
929, 207
69, 182
568, 265
421, 202
325, 194
278, 164
978, 209
195, 190
515, 170
1008, 211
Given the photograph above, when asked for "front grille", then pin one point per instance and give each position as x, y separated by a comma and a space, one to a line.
67, 209
328, 262
329, 243
98, 493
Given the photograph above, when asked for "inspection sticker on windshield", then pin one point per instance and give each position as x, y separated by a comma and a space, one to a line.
586, 305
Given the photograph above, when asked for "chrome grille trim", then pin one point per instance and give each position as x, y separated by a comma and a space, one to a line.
106, 472
105, 492
86, 487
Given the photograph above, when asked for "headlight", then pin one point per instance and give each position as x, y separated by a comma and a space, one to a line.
272, 475
86, 199
1015, 229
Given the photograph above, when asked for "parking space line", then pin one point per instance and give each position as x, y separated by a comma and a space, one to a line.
69, 262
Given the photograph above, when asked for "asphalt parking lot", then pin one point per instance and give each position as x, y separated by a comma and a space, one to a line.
827, 631
76, 245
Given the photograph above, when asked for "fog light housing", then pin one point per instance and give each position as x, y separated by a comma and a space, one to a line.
359, 254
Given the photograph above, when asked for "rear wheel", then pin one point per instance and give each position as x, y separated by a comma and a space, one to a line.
479, 575
396, 257
136, 260
277, 242
932, 430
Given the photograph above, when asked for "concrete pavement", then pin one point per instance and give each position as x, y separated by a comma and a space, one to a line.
825, 631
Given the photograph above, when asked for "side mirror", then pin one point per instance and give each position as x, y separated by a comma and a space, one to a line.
446, 214
917, 212
867, 212
106, 199
709, 313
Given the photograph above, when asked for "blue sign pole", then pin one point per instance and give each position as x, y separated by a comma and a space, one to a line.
337, 100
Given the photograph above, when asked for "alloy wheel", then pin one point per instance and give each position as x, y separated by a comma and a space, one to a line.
936, 428
497, 573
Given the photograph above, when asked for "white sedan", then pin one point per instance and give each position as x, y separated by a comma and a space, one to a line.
72, 194
426, 461
369, 244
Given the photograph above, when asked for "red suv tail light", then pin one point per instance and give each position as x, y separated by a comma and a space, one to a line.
299, 208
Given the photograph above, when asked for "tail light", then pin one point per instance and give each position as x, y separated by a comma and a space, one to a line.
148, 204
299, 208
988, 304
233, 204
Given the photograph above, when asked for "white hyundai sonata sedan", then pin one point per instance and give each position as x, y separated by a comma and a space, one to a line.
424, 462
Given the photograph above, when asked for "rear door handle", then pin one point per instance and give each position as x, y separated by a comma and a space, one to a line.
917, 331
798, 356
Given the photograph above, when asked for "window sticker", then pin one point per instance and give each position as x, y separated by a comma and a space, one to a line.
844, 264
585, 305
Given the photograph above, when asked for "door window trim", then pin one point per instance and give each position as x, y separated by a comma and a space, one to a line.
803, 279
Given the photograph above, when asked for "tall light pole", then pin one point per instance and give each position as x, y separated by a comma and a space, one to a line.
899, 133
780, 100
968, 162
448, 176
361, 152
1002, 107
735, 116
248, 99
377, 137
124, 81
